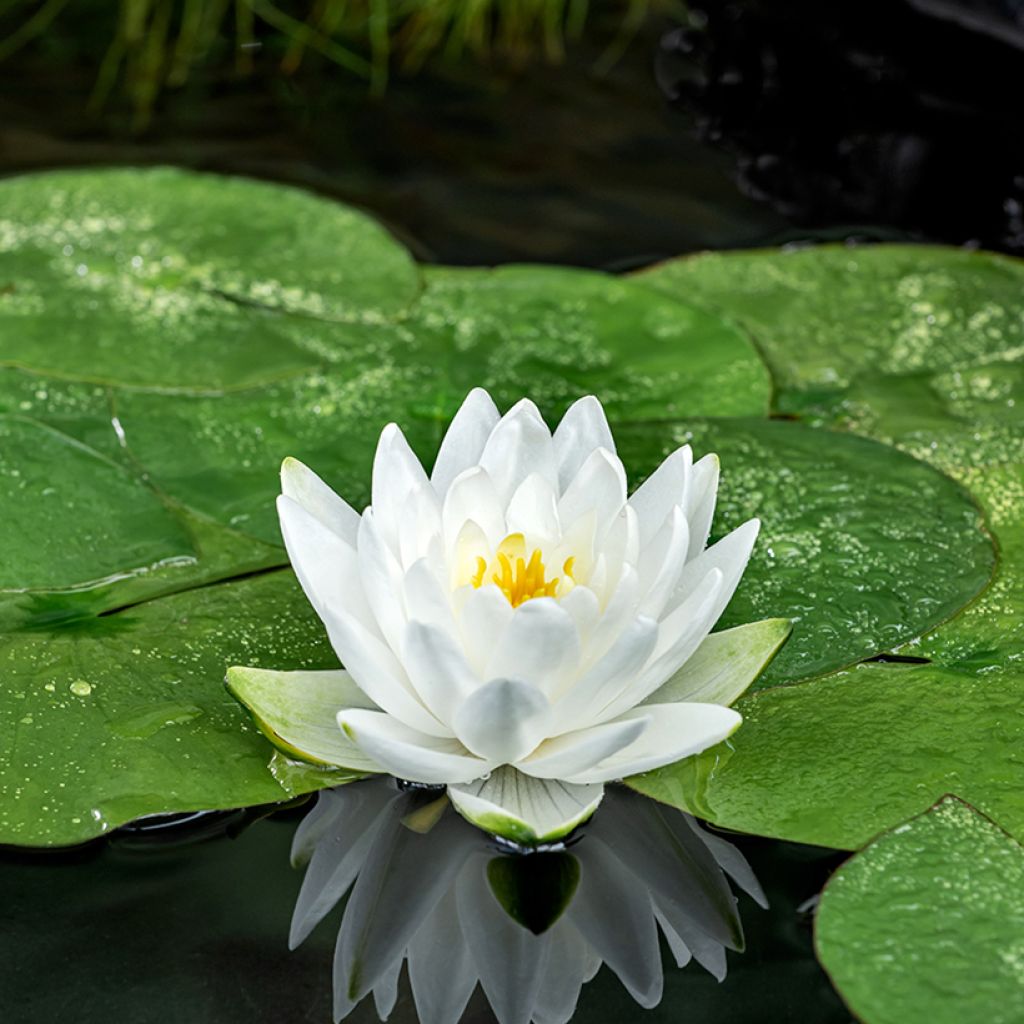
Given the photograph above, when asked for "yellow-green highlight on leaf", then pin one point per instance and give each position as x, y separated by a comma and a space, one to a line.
726, 663
835, 761
926, 924
298, 711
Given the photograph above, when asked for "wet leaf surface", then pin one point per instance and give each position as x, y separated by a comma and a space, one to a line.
925, 924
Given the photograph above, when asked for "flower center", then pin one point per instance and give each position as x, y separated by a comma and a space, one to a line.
519, 577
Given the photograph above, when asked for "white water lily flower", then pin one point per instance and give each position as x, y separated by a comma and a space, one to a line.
513, 626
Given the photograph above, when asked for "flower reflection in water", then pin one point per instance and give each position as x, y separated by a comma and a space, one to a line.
460, 908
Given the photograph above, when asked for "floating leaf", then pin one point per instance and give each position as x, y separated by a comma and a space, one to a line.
924, 926
821, 316
861, 547
126, 714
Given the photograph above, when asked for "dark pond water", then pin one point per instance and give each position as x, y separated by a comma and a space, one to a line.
190, 925
756, 124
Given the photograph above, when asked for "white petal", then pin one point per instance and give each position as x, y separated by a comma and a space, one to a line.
298, 712
464, 442
678, 637
420, 525
474, 498
525, 809
302, 485
700, 502
675, 731
575, 752
381, 576
667, 486
584, 427
599, 486
725, 664
503, 720
485, 616
378, 673
582, 605
519, 445
662, 561
533, 510
729, 555
539, 645
609, 675
407, 753
396, 474
326, 566
437, 669
426, 600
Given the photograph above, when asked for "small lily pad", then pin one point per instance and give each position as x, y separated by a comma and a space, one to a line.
924, 925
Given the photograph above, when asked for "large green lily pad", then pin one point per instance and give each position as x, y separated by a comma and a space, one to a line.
122, 715
553, 334
821, 316
837, 760
924, 926
861, 546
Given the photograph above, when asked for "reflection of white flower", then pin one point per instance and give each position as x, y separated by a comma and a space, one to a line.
513, 626
426, 895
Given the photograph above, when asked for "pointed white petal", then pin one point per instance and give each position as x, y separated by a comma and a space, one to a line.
567, 965
678, 637
420, 525
297, 711
533, 510
731, 861
381, 576
583, 607
503, 720
729, 555
519, 445
326, 566
485, 616
377, 672
525, 809
426, 600
385, 990
609, 676
464, 441
599, 486
584, 427
303, 486
725, 664
570, 754
675, 731
438, 670
407, 753
679, 950
700, 502
396, 474
540, 645
667, 486
474, 498
662, 561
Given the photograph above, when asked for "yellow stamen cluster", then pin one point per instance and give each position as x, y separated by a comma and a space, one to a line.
519, 578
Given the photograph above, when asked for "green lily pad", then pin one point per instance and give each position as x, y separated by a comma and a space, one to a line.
553, 334
821, 316
174, 280
968, 423
835, 761
71, 515
126, 714
924, 926
861, 547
